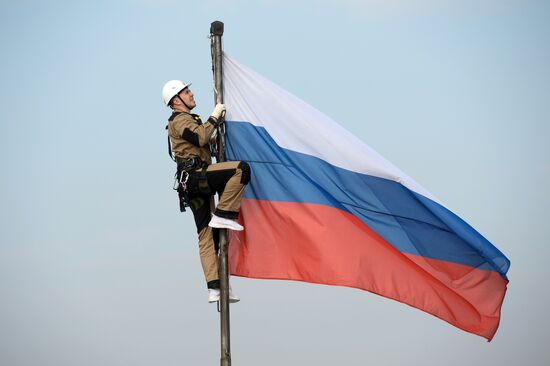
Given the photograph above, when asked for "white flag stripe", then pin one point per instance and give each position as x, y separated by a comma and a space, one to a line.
249, 97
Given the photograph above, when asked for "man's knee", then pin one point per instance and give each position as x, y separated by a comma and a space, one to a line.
245, 169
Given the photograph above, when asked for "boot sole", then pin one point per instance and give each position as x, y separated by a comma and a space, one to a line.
226, 227
232, 301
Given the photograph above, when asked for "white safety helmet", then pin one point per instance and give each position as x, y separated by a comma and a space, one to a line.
171, 89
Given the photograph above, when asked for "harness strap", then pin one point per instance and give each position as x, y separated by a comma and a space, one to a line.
170, 147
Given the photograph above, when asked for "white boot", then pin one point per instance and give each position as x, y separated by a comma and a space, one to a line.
214, 295
233, 298
222, 223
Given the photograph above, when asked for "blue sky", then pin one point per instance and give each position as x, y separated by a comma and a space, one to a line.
97, 266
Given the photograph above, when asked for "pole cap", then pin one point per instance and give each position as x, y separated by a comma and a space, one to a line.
216, 28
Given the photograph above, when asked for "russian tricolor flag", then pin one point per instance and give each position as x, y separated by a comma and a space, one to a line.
323, 207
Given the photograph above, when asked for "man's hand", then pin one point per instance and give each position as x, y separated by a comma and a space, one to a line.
218, 111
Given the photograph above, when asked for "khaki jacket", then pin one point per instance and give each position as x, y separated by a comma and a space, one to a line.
189, 136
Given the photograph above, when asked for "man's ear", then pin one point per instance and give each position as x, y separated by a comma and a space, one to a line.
175, 102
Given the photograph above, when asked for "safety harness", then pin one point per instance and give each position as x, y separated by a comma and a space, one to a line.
188, 180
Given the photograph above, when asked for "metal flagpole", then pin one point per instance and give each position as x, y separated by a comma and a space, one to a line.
216, 33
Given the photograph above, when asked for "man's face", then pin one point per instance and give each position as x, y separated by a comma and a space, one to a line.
187, 96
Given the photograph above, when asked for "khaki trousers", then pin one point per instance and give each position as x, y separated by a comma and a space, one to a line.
228, 179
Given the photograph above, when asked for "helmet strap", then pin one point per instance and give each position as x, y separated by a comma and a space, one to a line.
185, 104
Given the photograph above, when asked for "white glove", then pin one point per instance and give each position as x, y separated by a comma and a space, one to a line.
218, 111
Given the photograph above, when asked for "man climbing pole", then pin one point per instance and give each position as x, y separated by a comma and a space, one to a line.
198, 179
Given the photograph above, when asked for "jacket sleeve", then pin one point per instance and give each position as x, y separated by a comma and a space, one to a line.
188, 129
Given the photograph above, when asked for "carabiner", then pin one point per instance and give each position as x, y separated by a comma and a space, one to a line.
184, 182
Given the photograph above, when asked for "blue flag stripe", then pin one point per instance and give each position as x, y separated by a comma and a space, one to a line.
409, 221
